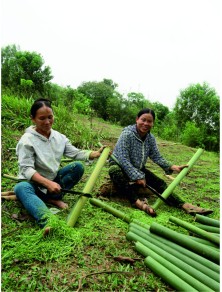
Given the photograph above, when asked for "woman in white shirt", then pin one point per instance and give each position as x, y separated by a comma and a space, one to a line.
39, 153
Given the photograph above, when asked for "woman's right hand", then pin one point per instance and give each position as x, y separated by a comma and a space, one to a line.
53, 187
141, 182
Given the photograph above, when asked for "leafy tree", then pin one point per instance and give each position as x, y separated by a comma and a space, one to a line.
110, 83
23, 65
200, 104
55, 93
99, 93
137, 99
192, 136
168, 129
161, 110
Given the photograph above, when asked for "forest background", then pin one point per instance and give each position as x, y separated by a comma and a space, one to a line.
194, 121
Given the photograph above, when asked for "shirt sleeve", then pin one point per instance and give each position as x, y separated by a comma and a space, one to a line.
26, 160
75, 153
157, 158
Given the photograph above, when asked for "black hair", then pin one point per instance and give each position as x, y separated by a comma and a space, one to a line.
146, 111
38, 103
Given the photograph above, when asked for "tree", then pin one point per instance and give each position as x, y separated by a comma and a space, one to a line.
200, 104
23, 65
99, 93
137, 99
161, 110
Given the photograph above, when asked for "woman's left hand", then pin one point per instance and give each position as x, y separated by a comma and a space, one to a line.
178, 168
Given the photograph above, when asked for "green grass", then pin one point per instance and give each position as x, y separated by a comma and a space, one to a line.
85, 257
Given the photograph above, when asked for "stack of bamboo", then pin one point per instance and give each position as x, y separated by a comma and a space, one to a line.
185, 262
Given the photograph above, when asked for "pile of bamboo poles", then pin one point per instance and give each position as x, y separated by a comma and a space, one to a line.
185, 262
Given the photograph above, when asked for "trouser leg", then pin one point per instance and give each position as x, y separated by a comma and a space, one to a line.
70, 175
121, 183
160, 186
67, 177
27, 194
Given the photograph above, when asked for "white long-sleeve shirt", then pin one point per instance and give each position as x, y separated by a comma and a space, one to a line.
37, 153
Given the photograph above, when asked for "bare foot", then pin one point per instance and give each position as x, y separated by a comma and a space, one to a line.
47, 231
59, 204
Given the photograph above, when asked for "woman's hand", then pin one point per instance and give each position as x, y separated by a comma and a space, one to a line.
53, 187
141, 182
96, 154
178, 168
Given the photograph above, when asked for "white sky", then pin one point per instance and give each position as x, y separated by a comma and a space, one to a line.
156, 47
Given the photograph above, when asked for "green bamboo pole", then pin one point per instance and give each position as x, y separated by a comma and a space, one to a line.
208, 228
110, 209
202, 233
169, 277
200, 240
203, 241
184, 271
142, 224
199, 263
207, 221
11, 177
186, 252
178, 179
144, 228
188, 243
76, 210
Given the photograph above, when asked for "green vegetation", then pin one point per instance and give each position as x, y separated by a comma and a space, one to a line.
194, 121
94, 255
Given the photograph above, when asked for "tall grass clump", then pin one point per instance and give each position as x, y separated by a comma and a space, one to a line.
16, 113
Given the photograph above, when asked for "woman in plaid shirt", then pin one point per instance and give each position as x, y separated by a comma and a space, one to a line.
135, 145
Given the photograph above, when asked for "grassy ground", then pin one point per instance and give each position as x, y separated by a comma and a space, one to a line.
94, 255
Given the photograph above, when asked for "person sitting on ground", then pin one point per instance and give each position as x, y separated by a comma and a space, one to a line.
127, 169
39, 152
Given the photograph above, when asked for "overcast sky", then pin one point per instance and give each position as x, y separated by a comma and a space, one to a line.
155, 47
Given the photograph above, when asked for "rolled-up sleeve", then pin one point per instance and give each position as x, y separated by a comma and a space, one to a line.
26, 160
157, 158
75, 153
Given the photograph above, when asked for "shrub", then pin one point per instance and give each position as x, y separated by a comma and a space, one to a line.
192, 135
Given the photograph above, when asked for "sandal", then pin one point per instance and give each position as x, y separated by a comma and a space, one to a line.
143, 205
193, 210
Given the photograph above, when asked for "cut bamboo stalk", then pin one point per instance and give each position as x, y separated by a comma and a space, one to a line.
110, 209
169, 277
8, 193
9, 198
202, 233
178, 179
12, 177
203, 241
142, 224
208, 228
189, 253
188, 243
200, 240
184, 271
199, 263
76, 210
207, 221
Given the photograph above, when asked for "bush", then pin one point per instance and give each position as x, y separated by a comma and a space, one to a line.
192, 135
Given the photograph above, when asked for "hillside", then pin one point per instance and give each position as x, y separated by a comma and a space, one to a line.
94, 255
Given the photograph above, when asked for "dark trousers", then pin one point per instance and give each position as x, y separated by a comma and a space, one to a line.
122, 183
